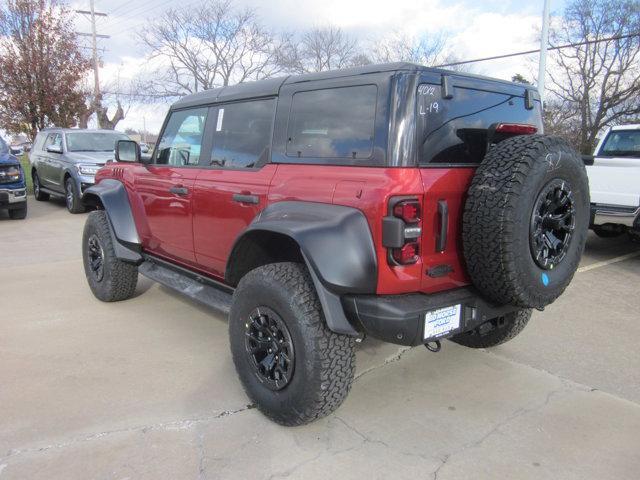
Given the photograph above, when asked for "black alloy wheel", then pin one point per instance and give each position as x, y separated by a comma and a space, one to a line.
96, 258
269, 346
552, 224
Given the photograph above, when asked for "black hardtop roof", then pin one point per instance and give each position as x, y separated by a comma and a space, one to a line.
271, 86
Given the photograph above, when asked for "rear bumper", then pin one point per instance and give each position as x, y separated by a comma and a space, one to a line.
400, 318
615, 214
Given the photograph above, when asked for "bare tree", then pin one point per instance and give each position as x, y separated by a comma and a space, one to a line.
598, 84
428, 50
400, 47
213, 44
562, 119
519, 78
321, 49
42, 67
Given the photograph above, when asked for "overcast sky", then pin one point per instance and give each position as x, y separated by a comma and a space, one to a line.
476, 29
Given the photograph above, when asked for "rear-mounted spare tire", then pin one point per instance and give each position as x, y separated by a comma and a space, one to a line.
525, 220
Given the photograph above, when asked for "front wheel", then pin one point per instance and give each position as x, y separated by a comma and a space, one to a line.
72, 197
495, 331
291, 365
19, 213
109, 278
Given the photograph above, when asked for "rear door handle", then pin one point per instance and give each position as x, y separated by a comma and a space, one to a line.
179, 190
242, 198
443, 213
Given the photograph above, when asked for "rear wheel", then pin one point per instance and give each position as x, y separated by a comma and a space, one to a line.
496, 331
291, 365
72, 196
19, 213
37, 188
109, 278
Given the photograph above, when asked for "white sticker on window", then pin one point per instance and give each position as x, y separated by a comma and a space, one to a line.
220, 117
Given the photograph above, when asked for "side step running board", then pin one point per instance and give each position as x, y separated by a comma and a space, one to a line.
188, 284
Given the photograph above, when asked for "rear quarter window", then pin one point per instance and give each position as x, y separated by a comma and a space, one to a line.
332, 123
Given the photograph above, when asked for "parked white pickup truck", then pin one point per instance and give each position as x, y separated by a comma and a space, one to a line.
614, 181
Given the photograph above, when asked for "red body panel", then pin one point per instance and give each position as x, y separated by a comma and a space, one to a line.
218, 220
451, 185
369, 189
198, 230
167, 214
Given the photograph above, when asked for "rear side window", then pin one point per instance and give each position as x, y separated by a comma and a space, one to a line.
242, 136
181, 140
332, 123
456, 131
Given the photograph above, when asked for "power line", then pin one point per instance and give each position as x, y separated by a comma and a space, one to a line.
136, 10
537, 50
141, 95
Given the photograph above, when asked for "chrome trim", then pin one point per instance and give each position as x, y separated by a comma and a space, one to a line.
13, 197
615, 214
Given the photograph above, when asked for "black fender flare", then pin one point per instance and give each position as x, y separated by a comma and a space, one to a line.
112, 196
336, 244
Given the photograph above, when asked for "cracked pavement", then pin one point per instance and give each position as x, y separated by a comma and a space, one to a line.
145, 389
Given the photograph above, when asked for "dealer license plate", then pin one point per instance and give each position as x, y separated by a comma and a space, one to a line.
441, 321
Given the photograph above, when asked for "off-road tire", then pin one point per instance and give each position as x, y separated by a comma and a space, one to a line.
324, 360
119, 278
498, 215
18, 213
495, 332
37, 188
72, 196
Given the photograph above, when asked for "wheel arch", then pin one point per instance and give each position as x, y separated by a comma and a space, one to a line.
111, 196
333, 241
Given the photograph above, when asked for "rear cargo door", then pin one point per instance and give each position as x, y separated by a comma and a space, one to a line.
455, 120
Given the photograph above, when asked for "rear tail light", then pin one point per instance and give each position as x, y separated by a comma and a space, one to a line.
409, 211
402, 230
406, 255
516, 128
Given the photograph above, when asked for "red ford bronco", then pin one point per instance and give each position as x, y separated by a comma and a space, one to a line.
406, 203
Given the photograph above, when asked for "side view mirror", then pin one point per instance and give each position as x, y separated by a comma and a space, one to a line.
588, 159
54, 148
127, 151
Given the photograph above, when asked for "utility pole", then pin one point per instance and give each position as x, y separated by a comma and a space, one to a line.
92, 14
544, 43
144, 129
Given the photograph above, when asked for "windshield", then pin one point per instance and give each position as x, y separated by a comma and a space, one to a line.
93, 141
621, 143
3, 146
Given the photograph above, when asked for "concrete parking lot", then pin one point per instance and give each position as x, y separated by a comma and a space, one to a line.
145, 389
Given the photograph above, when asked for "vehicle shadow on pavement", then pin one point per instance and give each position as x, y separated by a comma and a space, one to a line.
603, 248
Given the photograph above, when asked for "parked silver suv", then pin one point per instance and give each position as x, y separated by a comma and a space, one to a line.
64, 161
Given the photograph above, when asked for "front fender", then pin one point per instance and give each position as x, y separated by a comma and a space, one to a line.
112, 196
